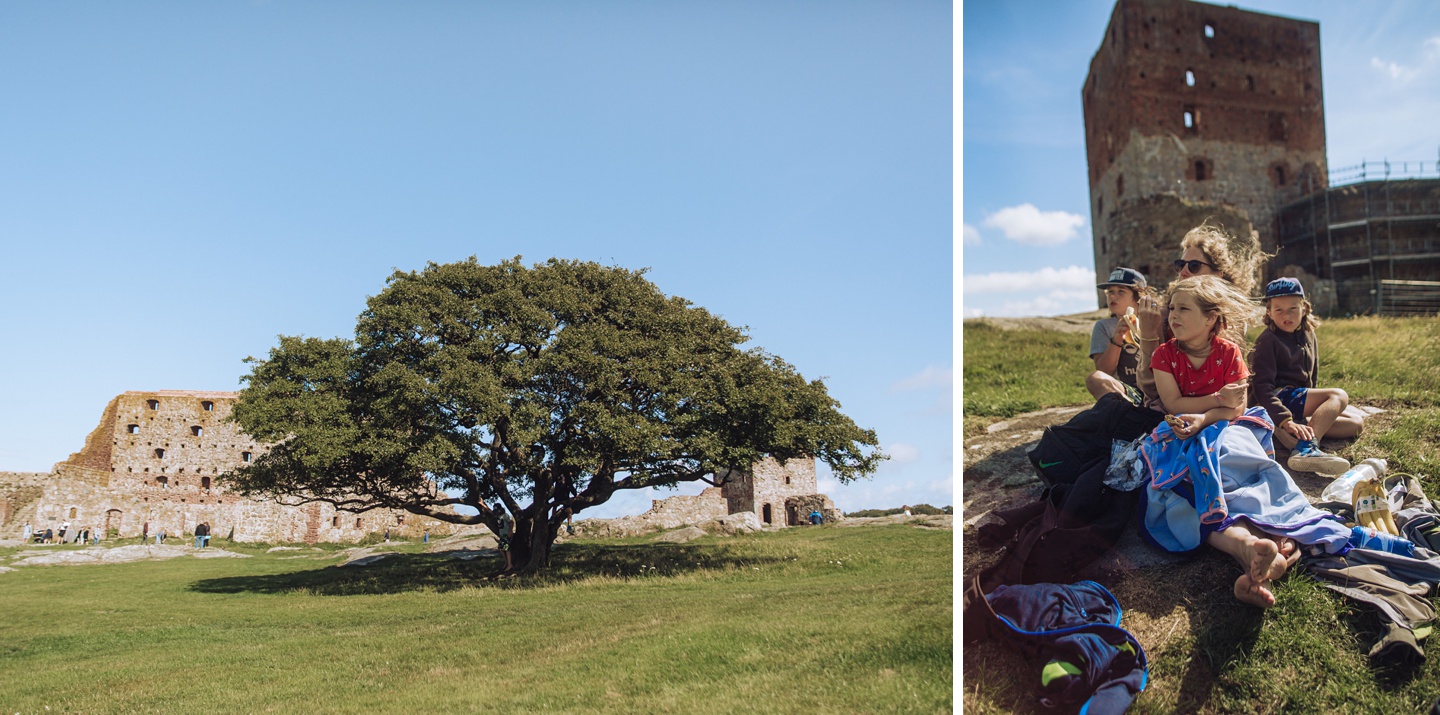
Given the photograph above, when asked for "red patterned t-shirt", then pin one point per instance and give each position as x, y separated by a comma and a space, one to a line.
1222, 367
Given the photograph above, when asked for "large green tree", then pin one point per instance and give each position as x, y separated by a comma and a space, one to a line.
545, 388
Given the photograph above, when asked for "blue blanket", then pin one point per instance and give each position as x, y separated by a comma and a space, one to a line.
1227, 472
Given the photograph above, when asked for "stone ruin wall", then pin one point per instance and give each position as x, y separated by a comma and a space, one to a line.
766, 487
1251, 86
151, 464
1147, 233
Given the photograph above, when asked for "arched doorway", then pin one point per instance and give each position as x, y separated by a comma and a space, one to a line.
112, 521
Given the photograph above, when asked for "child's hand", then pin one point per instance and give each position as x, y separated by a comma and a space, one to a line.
1190, 425
1233, 394
1299, 431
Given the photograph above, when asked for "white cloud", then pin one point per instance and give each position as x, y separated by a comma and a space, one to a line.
1405, 74
902, 453
931, 376
970, 312
971, 235
1398, 73
1070, 278
1033, 227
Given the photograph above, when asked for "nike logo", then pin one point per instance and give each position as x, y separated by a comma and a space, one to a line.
1044, 465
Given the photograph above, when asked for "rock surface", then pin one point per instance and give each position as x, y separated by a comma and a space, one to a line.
119, 555
682, 535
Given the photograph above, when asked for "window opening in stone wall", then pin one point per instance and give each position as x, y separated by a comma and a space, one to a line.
1200, 173
153, 404
357, 523
164, 482
787, 478
72, 512
1209, 31
207, 405
132, 429
1189, 78
205, 483
245, 456
159, 453
197, 430
1280, 175
1192, 118
399, 519
335, 522
1277, 126
765, 513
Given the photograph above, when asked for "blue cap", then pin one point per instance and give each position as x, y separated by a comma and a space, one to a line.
1282, 287
1128, 277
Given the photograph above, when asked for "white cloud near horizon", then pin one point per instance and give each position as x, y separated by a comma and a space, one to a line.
1030, 226
1068, 278
931, 376
1046, 291
902, 453
970, 235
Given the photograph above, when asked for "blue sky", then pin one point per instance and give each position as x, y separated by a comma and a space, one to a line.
182, 182
1026, 222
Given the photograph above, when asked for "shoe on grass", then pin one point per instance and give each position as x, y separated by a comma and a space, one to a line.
1308, 458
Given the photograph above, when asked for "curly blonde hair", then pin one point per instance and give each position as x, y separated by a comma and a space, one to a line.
1237, 259
1235, 310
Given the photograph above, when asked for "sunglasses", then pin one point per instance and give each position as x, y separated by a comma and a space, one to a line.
1194, 266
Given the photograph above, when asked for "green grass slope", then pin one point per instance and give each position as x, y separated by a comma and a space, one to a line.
828, 619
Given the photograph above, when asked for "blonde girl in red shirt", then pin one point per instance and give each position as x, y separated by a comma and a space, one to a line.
1207, 317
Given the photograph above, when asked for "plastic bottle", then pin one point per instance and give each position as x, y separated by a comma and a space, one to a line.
1362, 537
1340, 489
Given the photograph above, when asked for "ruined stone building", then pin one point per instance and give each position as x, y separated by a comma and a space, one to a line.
152, 464
1196, 111
154, 459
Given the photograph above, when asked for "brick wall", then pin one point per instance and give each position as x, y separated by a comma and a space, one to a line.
1250, 84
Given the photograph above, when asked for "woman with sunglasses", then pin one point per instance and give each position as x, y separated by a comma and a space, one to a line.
1206, 250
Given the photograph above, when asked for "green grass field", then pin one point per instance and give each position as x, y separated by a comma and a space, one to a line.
827, 619
1209, 654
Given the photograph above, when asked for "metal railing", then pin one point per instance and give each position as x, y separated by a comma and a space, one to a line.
1384, 170
1407, 297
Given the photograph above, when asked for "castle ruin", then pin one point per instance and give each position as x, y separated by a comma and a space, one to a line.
153, 462
1196, 111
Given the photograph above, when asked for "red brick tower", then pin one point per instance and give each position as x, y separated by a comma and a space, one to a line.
1196, 111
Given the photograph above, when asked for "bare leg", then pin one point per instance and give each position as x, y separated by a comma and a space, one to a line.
1323, 408
1348, 425
1100, 383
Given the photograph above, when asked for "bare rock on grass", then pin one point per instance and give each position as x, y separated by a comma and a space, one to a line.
468, 543
741, 522
3, 569
274, 549
682, 535
367, 559
928, 521
122, 554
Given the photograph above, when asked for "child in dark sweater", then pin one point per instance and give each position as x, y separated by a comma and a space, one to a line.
1285, 361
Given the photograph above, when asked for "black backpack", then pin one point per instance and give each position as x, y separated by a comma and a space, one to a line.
1066, 451
1052, 539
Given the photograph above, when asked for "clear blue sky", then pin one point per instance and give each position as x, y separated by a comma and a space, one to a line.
1024, 134
182, 182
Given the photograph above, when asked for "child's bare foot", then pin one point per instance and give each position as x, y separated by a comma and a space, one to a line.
1253, 593
1264, 559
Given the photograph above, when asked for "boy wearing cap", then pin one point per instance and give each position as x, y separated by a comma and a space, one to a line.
1284, 364
1116, 359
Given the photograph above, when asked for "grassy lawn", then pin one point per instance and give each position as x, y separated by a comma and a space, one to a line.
1208, 654
828, 619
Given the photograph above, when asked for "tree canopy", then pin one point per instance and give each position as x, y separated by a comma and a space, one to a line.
545, 388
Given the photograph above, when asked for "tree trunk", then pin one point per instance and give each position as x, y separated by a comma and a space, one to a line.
530, 545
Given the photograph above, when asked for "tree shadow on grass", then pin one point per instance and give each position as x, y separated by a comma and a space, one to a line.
443, 571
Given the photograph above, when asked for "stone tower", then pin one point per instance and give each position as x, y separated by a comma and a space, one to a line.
1197, 111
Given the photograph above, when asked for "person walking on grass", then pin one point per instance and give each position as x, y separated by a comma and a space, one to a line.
25, 537
1113, 347
1285, 362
